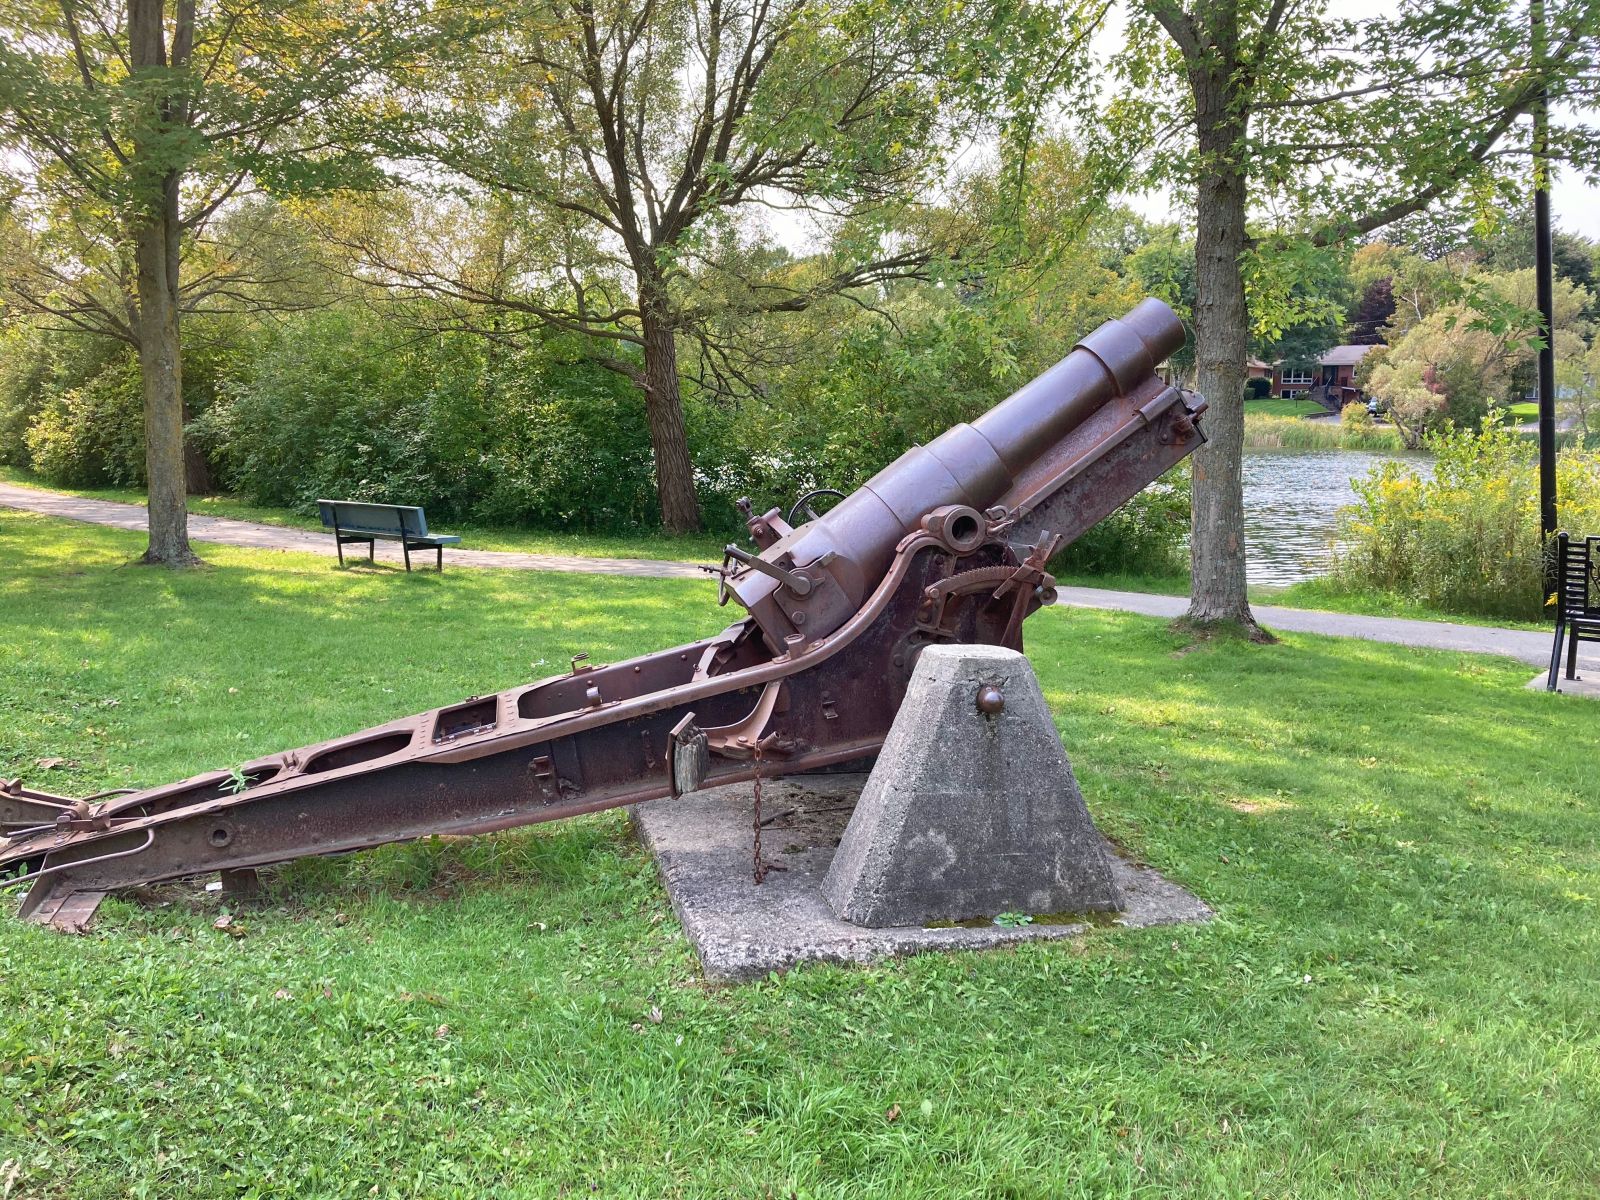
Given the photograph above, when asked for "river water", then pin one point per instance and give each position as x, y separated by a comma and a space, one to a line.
1291, 504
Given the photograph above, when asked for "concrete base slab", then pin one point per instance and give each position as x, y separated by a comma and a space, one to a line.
1589, 688
742, 930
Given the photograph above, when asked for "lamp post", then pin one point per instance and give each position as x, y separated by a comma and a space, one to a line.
1546, 297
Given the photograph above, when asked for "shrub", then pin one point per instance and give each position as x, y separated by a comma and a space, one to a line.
93, 434
337, 407
1465, 539
38, 368
24, 386
1257, 389
1355, 416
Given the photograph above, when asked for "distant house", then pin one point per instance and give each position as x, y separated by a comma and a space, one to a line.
1331, 383
1338, 368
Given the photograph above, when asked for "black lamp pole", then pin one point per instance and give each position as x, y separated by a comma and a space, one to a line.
1546, 293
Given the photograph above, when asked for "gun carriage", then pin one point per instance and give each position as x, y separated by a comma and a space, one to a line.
949, 543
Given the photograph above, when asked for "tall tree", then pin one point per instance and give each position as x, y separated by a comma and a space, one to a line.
638, 144
1372, 312
1336, 128
126, 127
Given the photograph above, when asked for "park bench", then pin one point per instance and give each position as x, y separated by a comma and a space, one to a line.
1577, 601
358, 521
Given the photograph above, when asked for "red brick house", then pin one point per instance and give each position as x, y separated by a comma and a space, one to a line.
1331, 382
1338, 382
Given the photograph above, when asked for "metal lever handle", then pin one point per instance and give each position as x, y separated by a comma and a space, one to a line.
793, 580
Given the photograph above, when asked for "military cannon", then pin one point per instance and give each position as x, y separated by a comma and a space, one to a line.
949, 543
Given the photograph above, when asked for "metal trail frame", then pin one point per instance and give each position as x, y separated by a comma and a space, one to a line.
947, 544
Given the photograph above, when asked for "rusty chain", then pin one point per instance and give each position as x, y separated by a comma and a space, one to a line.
760, 871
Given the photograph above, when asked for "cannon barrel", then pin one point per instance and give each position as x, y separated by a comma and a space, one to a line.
975, 465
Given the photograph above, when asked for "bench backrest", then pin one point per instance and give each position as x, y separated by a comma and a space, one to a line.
1578, 575
360, 517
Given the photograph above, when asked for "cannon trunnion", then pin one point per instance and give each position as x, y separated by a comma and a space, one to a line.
947, 544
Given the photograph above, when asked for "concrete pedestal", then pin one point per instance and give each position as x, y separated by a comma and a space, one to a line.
972, 809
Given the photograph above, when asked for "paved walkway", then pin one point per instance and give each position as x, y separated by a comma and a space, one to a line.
229, 532
1530, 647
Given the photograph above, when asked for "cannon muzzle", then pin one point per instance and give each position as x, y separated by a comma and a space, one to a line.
974, 467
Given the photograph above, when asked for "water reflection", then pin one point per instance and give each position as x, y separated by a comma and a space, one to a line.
1291, 501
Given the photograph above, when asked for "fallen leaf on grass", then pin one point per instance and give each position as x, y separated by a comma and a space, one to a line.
46, 764
655, 1016
892, 1113
283, 994
442, 1032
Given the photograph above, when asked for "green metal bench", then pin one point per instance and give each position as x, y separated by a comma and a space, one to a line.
1577, 601
358, 521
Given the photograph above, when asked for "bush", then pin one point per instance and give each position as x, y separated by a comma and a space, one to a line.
1257, 389
43, 369
24, 386
93, 434
1355, 416
334, 407
1467, 539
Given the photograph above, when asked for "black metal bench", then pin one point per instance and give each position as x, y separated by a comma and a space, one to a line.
1577, 601
358, 521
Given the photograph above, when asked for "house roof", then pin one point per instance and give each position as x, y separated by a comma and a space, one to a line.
1343, 356
1257, 365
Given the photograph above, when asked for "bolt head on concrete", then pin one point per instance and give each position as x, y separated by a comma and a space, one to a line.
972, 809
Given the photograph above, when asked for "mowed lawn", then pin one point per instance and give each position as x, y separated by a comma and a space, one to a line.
1273, 406
1397, 998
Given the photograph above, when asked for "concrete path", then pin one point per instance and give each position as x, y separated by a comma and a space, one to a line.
1528, 646
229, 532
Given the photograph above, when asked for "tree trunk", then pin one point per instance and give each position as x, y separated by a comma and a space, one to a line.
1221, 329
160, 367
197, 475
663, 402
156, 244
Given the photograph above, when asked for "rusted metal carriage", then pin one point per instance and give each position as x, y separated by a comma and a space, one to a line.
947, 544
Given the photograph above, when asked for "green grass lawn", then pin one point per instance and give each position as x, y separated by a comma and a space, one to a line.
1396, 997
1274, 406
